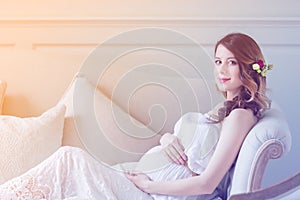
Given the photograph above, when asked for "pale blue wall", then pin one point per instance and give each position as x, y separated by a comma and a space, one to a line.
285, 86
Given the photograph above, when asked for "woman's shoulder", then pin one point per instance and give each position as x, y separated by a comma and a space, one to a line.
242, 116
238, 123
240, 112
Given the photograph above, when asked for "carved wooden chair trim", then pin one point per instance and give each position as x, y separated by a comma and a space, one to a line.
271, 149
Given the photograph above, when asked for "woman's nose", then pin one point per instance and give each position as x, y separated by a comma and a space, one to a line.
222, 69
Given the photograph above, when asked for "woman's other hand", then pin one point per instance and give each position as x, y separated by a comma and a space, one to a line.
173, 148
140, 180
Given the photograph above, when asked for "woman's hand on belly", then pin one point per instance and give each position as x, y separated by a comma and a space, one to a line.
173, 148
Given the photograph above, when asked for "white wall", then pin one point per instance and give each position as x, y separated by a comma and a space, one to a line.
285, 90
43, 44
149, 8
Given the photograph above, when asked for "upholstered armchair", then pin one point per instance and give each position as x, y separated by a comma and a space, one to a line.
269, 139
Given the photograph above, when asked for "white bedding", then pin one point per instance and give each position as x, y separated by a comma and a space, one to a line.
76, 175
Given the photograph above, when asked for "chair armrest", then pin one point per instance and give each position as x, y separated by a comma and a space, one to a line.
269, 139
287, 189
270, 149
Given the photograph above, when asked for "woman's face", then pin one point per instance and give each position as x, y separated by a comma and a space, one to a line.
227, 72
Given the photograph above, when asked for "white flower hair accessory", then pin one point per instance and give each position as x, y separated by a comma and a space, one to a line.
261, 68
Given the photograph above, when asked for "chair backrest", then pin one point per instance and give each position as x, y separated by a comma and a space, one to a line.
269, 139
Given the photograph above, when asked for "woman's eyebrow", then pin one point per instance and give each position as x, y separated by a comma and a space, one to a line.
231, 58
226, 58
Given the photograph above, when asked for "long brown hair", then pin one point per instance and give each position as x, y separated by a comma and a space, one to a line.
253, 92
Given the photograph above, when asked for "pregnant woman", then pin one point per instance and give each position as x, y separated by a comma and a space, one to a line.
199, 153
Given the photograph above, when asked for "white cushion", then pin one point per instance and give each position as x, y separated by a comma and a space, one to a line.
157, 100
70, 135
25, 142
93, 122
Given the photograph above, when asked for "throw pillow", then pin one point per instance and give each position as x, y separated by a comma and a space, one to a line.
25, 142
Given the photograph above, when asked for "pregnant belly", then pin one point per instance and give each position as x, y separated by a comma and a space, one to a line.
171, 171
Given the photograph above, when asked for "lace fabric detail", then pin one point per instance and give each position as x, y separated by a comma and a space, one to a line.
72, 174
27, 187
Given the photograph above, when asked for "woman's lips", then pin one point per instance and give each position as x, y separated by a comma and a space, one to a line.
223, 80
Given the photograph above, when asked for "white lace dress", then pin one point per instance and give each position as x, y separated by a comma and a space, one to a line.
71, 173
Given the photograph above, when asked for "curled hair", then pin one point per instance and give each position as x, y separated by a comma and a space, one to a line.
253, 92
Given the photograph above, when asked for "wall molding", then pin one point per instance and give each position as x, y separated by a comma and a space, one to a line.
88, 32
285, 22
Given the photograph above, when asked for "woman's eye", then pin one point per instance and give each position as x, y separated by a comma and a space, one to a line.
232, 62
217, 62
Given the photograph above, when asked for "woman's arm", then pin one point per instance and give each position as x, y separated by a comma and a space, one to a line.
234, 129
